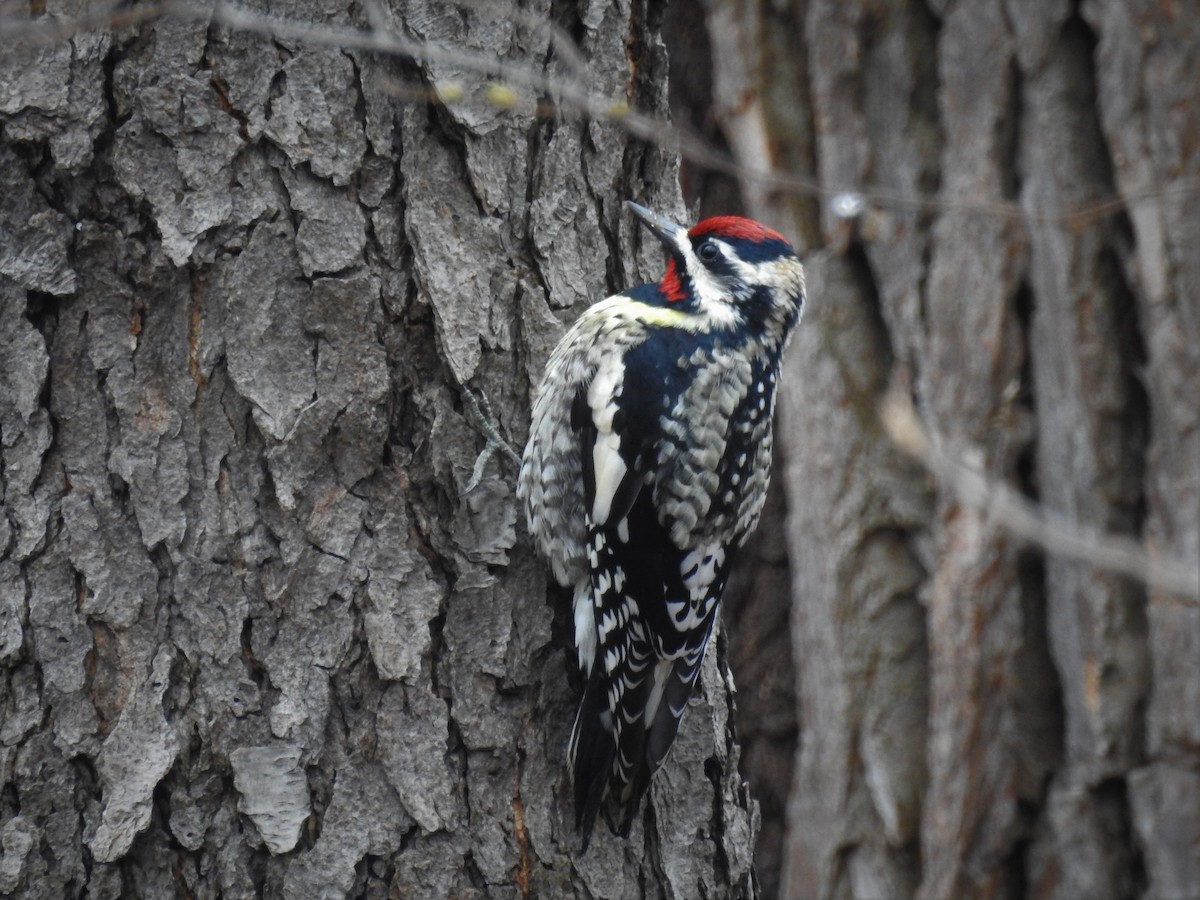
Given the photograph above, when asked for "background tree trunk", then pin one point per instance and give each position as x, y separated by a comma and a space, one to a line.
978, 718
255, 639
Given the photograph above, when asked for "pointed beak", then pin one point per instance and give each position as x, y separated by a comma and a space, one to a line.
663, 229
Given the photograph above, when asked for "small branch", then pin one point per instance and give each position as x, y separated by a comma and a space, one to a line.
1030, 522
573, 93
299, 416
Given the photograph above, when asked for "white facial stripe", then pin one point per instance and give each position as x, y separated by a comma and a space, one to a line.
770, 273
709, 292
750, 273
764, 273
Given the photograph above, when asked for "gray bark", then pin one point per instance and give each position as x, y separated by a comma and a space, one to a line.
254, 638
979, 718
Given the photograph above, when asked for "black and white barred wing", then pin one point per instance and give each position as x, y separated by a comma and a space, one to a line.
644, 620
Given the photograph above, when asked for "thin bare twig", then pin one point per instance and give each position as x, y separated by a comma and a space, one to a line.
1052, 532
570, 88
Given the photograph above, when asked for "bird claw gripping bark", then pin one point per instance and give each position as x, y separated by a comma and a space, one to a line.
479, 412
646, 468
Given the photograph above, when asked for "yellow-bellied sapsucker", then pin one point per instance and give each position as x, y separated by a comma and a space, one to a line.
646, 468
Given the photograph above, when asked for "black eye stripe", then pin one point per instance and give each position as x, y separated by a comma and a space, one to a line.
708, 251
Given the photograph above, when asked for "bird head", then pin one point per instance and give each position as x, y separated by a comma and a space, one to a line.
732, 272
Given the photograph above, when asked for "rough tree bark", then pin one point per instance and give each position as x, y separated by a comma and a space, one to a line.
254, 638
979, 718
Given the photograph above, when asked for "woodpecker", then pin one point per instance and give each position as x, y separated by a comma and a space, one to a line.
646, 469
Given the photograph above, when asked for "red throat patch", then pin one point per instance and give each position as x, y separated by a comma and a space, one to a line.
671, 284
738, 228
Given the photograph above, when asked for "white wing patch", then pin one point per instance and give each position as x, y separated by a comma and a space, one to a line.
610, 471
609, 467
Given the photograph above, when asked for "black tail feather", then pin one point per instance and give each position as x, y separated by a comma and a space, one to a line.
600, 781
655, 742
678, 690
591, 751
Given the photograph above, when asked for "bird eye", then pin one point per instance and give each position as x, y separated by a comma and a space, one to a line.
708, 251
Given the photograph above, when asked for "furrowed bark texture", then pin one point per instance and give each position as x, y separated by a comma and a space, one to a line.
255, 640
979, 718
756, 606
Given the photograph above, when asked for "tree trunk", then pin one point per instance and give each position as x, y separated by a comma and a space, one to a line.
980, 718
256, 637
